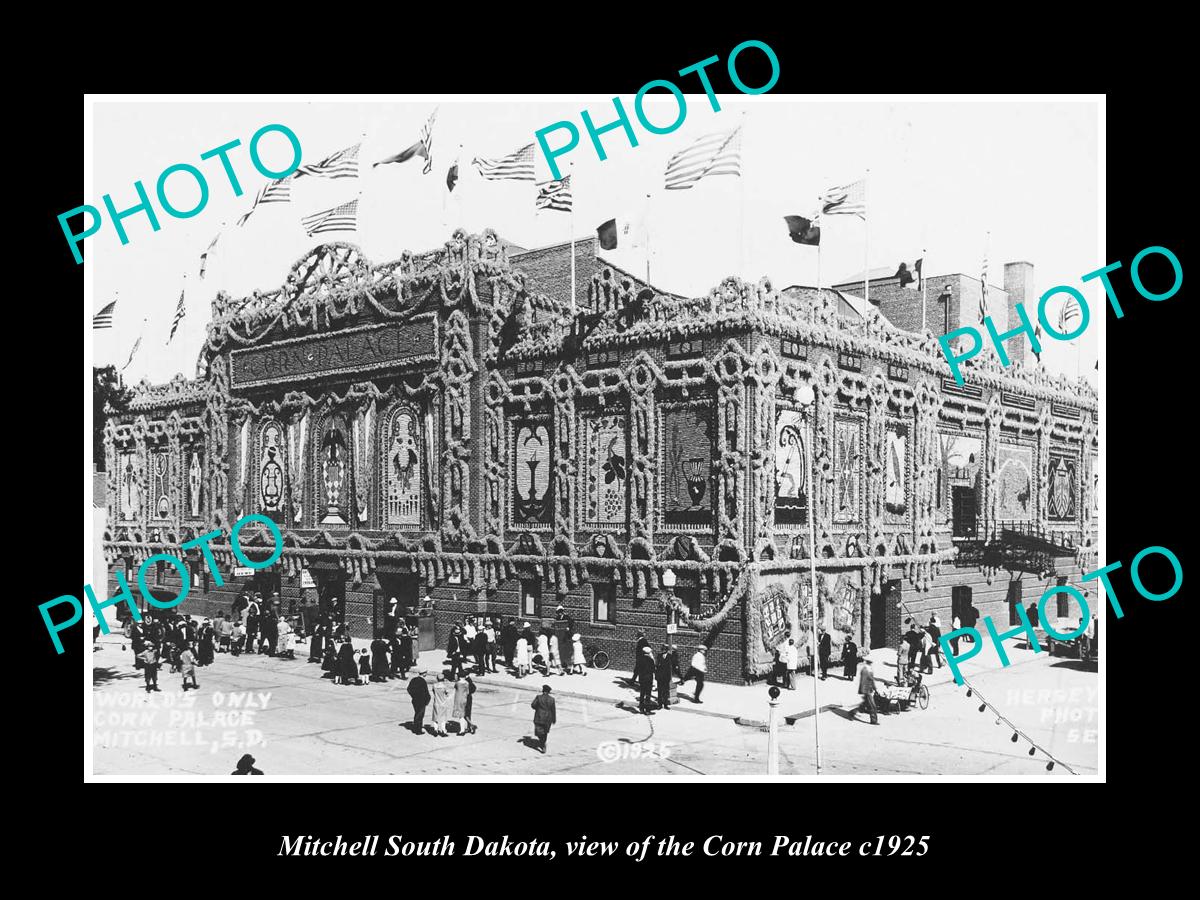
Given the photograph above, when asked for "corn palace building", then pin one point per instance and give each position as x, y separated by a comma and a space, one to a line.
451, 430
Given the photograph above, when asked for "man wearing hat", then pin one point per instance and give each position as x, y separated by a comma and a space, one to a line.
643, 674
866, 689
544, 715
663, 672
418, 690
697, 670
245, 766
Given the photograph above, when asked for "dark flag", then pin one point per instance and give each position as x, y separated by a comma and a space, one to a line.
625, 231
608, 235
417, 149
803, 231
452, 176
909, 273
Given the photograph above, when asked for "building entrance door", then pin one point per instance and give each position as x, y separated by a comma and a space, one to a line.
331, 594
406, 588
885, 616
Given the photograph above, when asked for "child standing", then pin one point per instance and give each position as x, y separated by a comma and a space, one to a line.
364, 667
187, 665
149, 659
237, 639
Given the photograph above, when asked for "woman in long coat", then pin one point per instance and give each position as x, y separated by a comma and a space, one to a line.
347, 665
316, 641
205, 646
443, 703
406, 650
379, 660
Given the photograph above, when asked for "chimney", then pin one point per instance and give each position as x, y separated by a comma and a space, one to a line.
1018, 283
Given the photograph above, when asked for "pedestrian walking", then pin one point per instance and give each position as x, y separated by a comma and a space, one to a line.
149, 660
418, 691
544, 715
463, 689
187, 666
934, 630
577, 655
955, 625
791, 662
508, 640
347, 668
914, 640
643, 674
926, 653
492, 647
379, 658
287, 639
480, 647
697, 670
662, 676
824, 652
443, 705
206, 646
866, 690
316, 643
407, 657
522, 657
849, 658
455, 650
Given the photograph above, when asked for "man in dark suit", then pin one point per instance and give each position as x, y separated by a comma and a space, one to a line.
418, 690
643, 673
663, 674
866, 690
544, 715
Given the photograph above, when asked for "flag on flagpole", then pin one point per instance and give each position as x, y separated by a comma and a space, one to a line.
623, 231
804, 231
423, 147
452, 177
204, 255
132, 352
273, 192
339, 218
103, 319
713, 154
517, 166
180, 311
1069, 313
343, 164
846, 200
555, 195
909, 274
983, 300
1037, 336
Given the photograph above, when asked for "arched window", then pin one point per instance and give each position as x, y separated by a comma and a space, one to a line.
401, 448
271, 487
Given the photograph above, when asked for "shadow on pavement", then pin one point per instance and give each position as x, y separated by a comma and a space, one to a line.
103, 675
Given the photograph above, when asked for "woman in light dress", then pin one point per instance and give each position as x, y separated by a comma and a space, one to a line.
555, 661
577, 655
522, 657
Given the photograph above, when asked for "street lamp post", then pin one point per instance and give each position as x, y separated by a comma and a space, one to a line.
807, 396
773, 731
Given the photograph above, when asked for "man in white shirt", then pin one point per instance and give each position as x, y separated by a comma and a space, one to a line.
697, 670
791, 658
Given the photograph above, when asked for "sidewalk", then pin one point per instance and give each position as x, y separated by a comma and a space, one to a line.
745, 704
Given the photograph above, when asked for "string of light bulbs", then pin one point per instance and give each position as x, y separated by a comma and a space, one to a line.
984, 706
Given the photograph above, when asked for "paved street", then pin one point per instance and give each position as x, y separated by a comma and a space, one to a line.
296, 723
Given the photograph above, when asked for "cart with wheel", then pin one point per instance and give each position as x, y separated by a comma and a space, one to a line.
903, 695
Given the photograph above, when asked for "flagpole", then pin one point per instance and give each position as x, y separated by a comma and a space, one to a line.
572, 227
866, 240
924, 287
742, 225
647, 226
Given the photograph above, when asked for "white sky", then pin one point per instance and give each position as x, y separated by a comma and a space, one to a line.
942, 174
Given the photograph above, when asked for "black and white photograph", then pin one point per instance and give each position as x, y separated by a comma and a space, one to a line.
465, 438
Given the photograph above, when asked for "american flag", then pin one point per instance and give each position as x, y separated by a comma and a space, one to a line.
180, 310
340, 218
103, 319
846, 200
343, 164
273, 192
983, 304
555, 195
517, 166
204, 255
713, 154
1068, 314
